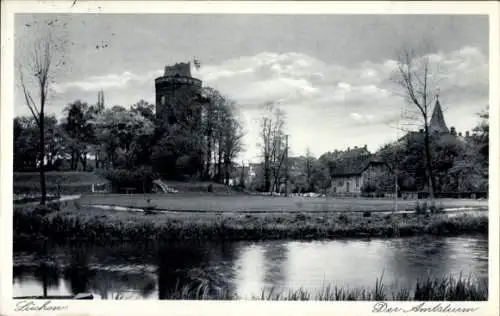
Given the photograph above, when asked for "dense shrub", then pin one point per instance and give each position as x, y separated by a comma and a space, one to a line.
368, 188
421, 208
140, 179
436, 208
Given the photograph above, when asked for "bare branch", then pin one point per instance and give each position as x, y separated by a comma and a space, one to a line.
29, 100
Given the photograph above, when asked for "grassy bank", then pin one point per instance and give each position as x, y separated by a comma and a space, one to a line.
248, 203
69, 182
84, 223
429, 289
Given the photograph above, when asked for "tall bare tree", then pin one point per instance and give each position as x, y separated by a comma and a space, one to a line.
415, 75
35, 75
272, 136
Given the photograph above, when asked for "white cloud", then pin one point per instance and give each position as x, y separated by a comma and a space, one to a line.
110, 81
296, 77
362, 117
320, 92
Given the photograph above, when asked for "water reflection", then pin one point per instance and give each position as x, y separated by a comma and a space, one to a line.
242, 268
78, 272
250, 265
176, 264
275, 256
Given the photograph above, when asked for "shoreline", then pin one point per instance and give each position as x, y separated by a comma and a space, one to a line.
97, 226
444, 288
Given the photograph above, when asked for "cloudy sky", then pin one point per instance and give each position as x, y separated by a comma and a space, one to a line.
329, 73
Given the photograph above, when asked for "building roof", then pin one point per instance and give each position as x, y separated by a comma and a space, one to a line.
179, 69
437, 123
354, 165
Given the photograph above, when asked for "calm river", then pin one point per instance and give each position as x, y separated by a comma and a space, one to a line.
244, 268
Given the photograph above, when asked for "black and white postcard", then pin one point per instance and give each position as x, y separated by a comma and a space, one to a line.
213, 158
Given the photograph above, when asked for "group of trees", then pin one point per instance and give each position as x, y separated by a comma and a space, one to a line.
457, 164
118, 138
200, 141
83, 133
204, 136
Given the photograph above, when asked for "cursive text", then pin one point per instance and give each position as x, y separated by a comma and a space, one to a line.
31, 306
384, 307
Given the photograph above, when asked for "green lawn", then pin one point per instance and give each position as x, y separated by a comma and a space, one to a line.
249, 203
63, 177
70, 182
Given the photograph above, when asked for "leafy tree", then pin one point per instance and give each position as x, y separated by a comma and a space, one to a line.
231, 140
26, 143
145, 109
201, 138
123, 134
80, 131
481, 136
321, 175
445, 150
413, 166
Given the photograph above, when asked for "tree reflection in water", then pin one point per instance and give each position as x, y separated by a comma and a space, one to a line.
100, 278
275, 256
46, 269
119, 285
184, 268
78, 272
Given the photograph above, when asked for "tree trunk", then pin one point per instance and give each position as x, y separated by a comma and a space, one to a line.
267, 174
219, 167
428, 162
44, 280
227, 175
72, 164
84, 161
42, 158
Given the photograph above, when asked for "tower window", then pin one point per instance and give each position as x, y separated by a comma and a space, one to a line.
163, 100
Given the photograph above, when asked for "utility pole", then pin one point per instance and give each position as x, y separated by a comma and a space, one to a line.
242, 178
286, 165
396, 163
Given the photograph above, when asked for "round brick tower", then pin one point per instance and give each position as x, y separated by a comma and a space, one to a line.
175, 91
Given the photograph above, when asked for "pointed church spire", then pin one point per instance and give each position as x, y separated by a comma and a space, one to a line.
437, 123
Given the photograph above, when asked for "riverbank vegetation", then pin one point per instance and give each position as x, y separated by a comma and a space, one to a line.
84, 223
429, 289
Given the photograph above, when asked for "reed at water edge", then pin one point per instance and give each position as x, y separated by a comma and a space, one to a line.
429, 289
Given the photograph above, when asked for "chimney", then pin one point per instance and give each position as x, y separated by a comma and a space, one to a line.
460, 134
365, 147
467, 134
453, 131
348, 148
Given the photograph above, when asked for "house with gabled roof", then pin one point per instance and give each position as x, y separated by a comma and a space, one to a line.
354, 168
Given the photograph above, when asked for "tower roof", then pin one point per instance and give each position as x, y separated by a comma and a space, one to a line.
437, 123
179, 69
